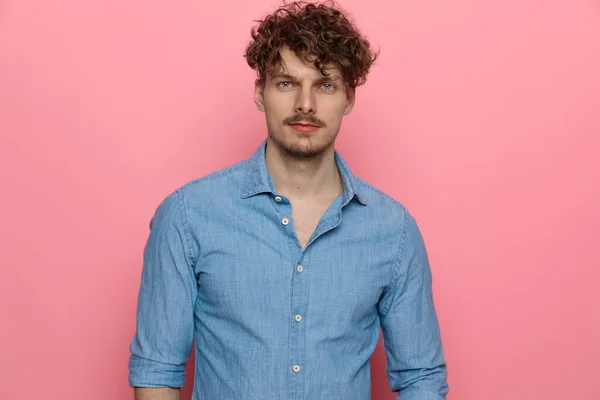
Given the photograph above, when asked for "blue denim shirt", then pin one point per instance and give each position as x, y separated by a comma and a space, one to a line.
223, 266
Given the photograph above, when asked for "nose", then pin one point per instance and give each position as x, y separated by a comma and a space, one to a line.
305, 101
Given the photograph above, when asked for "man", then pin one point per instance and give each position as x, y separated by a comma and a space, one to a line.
285, 266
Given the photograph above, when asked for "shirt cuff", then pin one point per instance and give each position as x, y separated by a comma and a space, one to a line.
148, 373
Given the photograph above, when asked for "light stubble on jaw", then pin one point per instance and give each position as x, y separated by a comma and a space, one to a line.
299, 152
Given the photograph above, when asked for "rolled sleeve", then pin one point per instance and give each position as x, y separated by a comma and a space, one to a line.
411, 335
165, 310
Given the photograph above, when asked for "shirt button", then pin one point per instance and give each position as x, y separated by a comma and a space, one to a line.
298, 317
296, 368
285, 221
277, 199
300, 268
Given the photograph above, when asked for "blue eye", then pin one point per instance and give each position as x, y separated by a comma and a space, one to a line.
328, 86
285, 85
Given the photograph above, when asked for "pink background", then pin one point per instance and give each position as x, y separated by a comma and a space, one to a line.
482, 117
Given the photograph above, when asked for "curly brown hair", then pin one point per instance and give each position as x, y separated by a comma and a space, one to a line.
316, 32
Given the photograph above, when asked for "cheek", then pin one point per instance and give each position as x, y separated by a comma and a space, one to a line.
276, 106
334, 112
334, 104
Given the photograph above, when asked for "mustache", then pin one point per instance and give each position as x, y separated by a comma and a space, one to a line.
294, 119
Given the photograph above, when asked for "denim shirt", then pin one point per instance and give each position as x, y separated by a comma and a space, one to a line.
224, 272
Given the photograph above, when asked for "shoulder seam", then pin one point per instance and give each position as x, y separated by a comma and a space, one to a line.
403, 240
218, 174
370, 187
186, 228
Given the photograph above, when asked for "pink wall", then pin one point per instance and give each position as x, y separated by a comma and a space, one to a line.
483, 118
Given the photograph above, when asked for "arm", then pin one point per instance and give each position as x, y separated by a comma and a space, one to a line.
411, 334
157, 393
165, 310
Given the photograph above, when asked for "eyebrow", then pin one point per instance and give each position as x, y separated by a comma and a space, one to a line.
288, 77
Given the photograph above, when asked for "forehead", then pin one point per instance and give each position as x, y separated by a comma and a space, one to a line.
291, 64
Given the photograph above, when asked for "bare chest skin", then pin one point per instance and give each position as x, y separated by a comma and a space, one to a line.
306, 216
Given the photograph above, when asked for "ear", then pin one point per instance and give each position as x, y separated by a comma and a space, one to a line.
259, 98
350, 98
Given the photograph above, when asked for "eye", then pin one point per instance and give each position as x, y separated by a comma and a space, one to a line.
329, 87
285, 85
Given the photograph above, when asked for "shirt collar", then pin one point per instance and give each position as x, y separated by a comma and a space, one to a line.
258, 180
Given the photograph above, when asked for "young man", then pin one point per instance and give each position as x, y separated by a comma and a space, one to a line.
285, 266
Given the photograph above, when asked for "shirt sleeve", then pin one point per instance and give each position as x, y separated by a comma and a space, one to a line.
411, 335
165, 310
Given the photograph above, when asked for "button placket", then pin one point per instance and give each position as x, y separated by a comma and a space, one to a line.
298, 327
297, 308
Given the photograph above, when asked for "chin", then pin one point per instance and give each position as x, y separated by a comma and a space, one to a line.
302, 145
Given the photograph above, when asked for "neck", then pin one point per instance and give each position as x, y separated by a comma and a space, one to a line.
304, 178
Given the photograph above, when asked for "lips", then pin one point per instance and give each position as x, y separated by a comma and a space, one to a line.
304, 127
